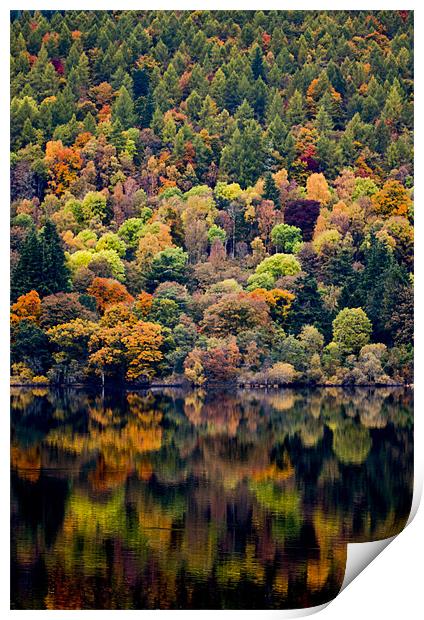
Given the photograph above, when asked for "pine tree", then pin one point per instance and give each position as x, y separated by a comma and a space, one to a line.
218, 88
64, 106
257, 64
28, 273
308, 308
258, 99
54, 270
243, 158
123, 109
89, 123
295, 112
380, 283
270, 190
43, 77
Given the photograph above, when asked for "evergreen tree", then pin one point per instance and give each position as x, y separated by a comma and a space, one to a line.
55, 274
380, 285
43, 77
295, 112
123, 109
64, 106
308, 308
243, 159
270, 190
27, 274
257, 64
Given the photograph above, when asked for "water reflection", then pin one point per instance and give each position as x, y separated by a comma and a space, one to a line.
201, 500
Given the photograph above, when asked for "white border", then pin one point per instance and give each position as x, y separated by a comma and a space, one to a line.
396, 581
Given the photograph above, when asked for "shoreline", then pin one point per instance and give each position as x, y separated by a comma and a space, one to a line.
211, 386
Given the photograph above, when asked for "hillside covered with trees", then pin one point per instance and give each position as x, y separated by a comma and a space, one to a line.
214, 195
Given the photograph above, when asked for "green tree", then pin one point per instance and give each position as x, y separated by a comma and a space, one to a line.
243, 158
286, 238
270, 190
55, 273
279, 265
27, 274
169, 264
351, 330
123, 109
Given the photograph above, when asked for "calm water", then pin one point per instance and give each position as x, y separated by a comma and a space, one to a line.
201, 500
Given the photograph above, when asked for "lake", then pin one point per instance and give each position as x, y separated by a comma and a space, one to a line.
187, 500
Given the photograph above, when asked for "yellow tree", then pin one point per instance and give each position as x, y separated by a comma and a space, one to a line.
129, 350
392, 199
143, 343
317, 188
278, 300
155, 238
27, 308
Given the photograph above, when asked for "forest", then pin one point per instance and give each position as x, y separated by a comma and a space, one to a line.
207, 197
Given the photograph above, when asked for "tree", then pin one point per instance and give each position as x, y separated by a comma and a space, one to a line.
169, 264
27, 274
166, 312
266, 216
30, 345
295, 112
126, 351
270, 190
392, 199
27, 308
63, 308
94, 206
286, 238
303, 214
111, 241
317, 188
123, 109
401, 322
220, 364
63, 164
176, 292
235, 312
380, 286
55, 273
308, 308
351, 330
281, 373
130, 231
257, 63
143, 350
278, 300
216, 232
70, 347
41, 265
193, 367
153, 239
279, 265
108, 292
243, 158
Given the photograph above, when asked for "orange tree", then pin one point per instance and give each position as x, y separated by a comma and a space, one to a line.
108, 292
126, 350
27, 307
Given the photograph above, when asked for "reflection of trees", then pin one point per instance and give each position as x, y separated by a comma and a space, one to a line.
203, 499
351, 443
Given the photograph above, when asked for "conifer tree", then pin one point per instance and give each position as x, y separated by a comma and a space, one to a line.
28, 273
257, 64
54, 270
43, 77
270, 190
123, 109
